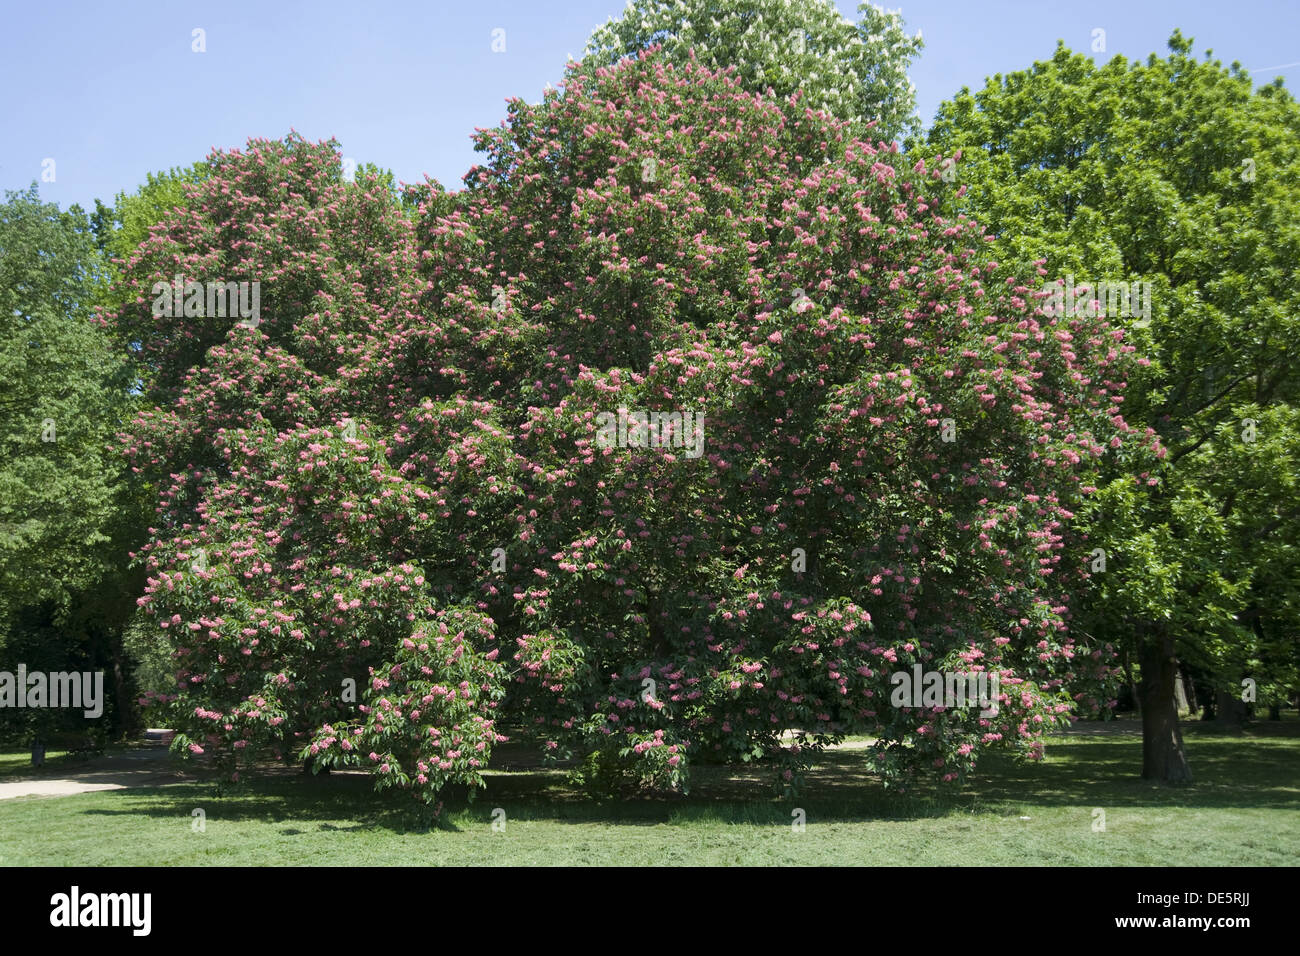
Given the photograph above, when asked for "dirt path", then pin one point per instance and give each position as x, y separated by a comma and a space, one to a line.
145, 766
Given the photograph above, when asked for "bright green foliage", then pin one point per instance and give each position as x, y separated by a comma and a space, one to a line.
1181, 174
61, 400
852, 70
122, 227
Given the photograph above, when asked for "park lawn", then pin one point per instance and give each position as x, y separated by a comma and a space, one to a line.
1240, 811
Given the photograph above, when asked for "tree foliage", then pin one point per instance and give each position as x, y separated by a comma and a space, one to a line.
122, 227
62, 396
65, 511
397, 478
1178, 173
852, 70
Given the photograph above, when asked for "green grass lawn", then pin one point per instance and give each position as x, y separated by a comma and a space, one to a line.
1241, 811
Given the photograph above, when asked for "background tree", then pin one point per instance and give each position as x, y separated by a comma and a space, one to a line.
121, 228
63, 395
1181, 174
853, 70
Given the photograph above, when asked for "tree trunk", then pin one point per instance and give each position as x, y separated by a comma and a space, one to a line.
1163, 757
1274, 711
1132, 684
1189, 686
1180, 695
1209, 713
128, 715
1232, 710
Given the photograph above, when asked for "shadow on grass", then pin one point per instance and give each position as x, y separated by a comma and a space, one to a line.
1263, 774
1259, 771
17, 764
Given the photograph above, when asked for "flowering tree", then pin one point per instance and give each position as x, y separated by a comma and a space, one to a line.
852, 70
894, 435
303, 480
682, 429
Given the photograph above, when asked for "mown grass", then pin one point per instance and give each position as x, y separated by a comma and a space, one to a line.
1240, 811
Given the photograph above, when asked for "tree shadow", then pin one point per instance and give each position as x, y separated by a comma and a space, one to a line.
1257, 771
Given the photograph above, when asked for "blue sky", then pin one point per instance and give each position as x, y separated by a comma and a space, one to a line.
112, 90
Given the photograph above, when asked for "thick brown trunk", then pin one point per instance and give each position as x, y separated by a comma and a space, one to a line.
1232, 711
1163, 757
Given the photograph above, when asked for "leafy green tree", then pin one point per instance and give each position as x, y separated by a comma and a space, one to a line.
62, 396
120, 229
62, 499
851, 70
1179, 174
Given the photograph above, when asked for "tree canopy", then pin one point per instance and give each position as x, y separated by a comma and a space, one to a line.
852, 70
62, 395
404, 477
1181, 174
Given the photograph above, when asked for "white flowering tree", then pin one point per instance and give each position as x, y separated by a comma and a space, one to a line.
852, 70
